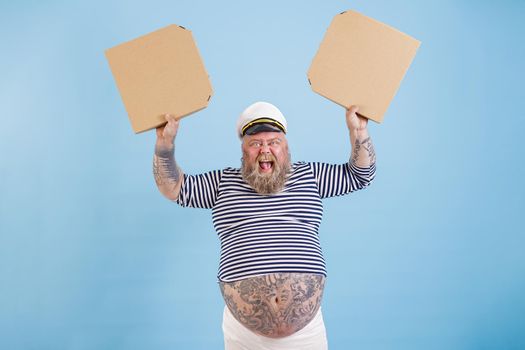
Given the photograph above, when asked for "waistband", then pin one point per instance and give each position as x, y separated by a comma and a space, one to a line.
238, 337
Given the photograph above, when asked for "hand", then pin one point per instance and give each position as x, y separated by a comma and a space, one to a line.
166, 133
354, 121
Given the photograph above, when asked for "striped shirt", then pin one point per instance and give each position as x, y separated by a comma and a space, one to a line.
263, 234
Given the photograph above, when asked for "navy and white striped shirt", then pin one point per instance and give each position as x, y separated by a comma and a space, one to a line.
263, 234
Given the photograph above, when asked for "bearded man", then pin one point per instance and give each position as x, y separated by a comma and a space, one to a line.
267, 215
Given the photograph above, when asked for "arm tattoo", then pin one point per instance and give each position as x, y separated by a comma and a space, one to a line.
370, 148
275, 305
165, 169
367, 145
357, 147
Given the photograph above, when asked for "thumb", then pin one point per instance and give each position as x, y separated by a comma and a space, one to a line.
353, 109
171, 127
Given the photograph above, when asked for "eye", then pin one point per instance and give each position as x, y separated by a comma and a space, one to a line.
275, 143
255, 144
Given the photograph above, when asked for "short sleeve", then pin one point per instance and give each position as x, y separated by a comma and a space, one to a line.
200, 191
339, 179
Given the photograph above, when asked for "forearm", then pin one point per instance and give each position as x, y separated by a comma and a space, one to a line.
363, 154
167, 173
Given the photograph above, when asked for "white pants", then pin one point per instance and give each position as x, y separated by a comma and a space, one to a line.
238, 337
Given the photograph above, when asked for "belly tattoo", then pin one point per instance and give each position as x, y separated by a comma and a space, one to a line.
274, 305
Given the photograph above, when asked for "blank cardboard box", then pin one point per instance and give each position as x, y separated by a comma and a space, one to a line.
361, 62
158, 73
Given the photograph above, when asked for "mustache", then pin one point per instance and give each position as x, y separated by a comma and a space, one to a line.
266, 158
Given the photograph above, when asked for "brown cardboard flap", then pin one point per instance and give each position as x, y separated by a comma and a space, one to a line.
158, 73
361, 62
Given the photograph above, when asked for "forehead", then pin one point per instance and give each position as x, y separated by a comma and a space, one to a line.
265, 136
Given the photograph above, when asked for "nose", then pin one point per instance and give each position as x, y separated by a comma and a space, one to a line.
265, 148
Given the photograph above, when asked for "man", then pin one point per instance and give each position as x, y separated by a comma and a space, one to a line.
267, 215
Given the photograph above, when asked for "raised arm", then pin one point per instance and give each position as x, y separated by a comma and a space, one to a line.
363, 154
167, 173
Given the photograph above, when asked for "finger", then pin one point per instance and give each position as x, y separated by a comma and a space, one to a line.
172, 125
169, 134
170, 118
160, 130
350, 112
353, 109
171, 129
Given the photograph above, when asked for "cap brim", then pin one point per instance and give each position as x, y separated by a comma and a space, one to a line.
263, 127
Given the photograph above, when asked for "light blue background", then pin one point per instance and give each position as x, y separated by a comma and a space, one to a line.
431, 256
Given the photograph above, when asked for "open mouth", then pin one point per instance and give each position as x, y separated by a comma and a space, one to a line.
266, 165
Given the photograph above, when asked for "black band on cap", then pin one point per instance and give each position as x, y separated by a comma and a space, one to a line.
262, 124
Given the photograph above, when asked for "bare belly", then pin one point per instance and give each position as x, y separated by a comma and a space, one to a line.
274, 305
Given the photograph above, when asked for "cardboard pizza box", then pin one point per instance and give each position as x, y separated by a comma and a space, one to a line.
158, 73
361, 62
